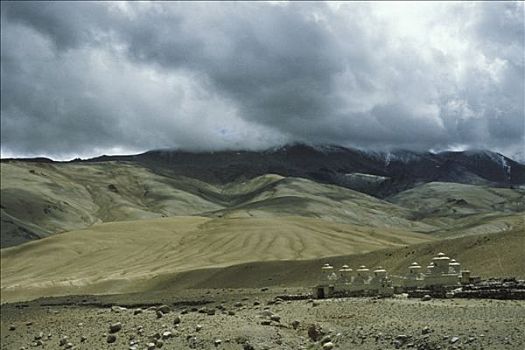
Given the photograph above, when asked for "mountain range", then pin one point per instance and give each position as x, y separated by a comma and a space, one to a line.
113, 223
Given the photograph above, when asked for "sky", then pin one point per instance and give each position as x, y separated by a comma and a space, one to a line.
81, 79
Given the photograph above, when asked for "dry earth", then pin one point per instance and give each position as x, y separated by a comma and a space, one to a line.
251, 319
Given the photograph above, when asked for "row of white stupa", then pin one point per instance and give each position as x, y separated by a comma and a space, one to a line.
442, 271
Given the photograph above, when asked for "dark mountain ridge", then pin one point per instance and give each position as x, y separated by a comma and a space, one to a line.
392, 172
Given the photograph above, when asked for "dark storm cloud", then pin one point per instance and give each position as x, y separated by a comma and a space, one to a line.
87, 78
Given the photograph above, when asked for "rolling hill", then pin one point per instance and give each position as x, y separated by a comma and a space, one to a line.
39, 199
174, 219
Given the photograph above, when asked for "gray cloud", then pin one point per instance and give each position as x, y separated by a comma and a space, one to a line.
89, 78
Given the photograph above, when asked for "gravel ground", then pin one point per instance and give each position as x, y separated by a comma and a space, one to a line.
251, 319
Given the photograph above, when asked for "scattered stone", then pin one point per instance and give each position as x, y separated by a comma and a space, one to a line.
167, 335
238, 304
275, 318
69, 345
328, 345
164, 309
315, 332
29, 323
210, 312
266, 322
176, 320
63, 341
154, 337
426, 297
137, 311
425, 330
198, 328
111, 338
295, 324
326, 339
39, 343
39, 336
159, 314
454, 340
248, 346
150, 346
217, 342
83, 339
159, 344
117, 309
231, 313
12, 327
115, 327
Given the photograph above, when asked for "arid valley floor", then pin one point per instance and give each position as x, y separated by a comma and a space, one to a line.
251, 319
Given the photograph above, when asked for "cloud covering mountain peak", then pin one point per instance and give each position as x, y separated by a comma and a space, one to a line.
88, 78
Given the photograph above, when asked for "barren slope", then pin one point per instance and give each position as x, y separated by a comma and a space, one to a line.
39, 199
125, 256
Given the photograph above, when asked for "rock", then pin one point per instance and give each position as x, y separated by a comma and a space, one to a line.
137, 311
238, 304
159, 344
295, 324
326, 339
150, 346
315, 332
210, 312
69, 345
111, 338
425, 330
176, 320
118, 309
167, 335
83, 339
198, 328
39, 343
29, 323
217, 342
315, 303
231, 313
400, 340
275, 318
266, 322
454, 340
402, 337
256, 302
154, 336
115, 327
159, 314
248, 346
426, 297
63, 341
164, 309
328, 345
12, 327
39, 336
